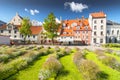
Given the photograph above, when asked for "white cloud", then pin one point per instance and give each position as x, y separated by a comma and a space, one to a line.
32, 11
26, 10
76, 7
57, 20
36, 23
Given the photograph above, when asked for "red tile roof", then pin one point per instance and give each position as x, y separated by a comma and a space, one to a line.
3, 26
98, 15
35, 29
82, 23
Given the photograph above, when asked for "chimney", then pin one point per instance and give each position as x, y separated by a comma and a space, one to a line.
82, 20
82, 17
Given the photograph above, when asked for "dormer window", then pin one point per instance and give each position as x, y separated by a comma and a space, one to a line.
86, 27
78, 27
64, 33
73, 24
64, 24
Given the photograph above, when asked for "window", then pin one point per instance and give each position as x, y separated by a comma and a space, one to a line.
95, 27
28, 36
117, 32
95, 22
95, 33
9, 31
108, 32
101, 21
15, 36
86, 37
101, 40
33, 36
94, 40
112, 32
22, 36
101, 33
101, 27
1, 31
15, 31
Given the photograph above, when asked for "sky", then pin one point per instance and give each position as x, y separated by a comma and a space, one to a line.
66, 9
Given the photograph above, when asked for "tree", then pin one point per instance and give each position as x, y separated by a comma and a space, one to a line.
51, 27
25, 28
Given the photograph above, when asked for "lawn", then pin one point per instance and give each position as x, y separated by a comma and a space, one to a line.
112, 74
70, 71
30, 73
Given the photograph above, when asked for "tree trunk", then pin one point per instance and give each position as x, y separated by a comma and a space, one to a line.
53, 41
24, 40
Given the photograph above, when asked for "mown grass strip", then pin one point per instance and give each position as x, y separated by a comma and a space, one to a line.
112, 74
30, 73
70, 71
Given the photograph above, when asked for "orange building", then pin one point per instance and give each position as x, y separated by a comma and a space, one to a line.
76, 31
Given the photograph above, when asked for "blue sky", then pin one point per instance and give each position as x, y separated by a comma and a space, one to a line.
67, 9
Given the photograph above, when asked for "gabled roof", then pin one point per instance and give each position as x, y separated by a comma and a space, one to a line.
2, 23
74, 25
3, 27
109, 22
98, 15
35, 29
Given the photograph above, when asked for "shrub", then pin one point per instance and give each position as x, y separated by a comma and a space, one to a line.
89, 70
4, 57
50, 68
77, 58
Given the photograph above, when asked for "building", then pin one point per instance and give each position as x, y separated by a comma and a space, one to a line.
13, 32
16, 20
2, 23
97, 22
4, 40
75, 31
12, 29
113, 32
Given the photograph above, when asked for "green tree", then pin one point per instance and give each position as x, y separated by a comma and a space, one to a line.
51, 27
25, 28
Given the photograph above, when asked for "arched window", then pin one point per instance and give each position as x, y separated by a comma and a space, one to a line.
112, 32
108, 32
117, 32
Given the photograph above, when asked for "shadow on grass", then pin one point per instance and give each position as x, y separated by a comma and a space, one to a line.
14, 76
62, 73
102, 75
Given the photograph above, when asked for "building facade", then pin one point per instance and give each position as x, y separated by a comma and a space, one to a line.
12, 30
97, 22
113, 32
75, 31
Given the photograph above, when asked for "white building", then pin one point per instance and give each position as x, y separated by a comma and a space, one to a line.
12, 29
97, 22
113, 32
16, 20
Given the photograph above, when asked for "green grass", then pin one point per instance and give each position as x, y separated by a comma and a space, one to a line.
112, 74
30, 73
114, 56
115, 48
70, 71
